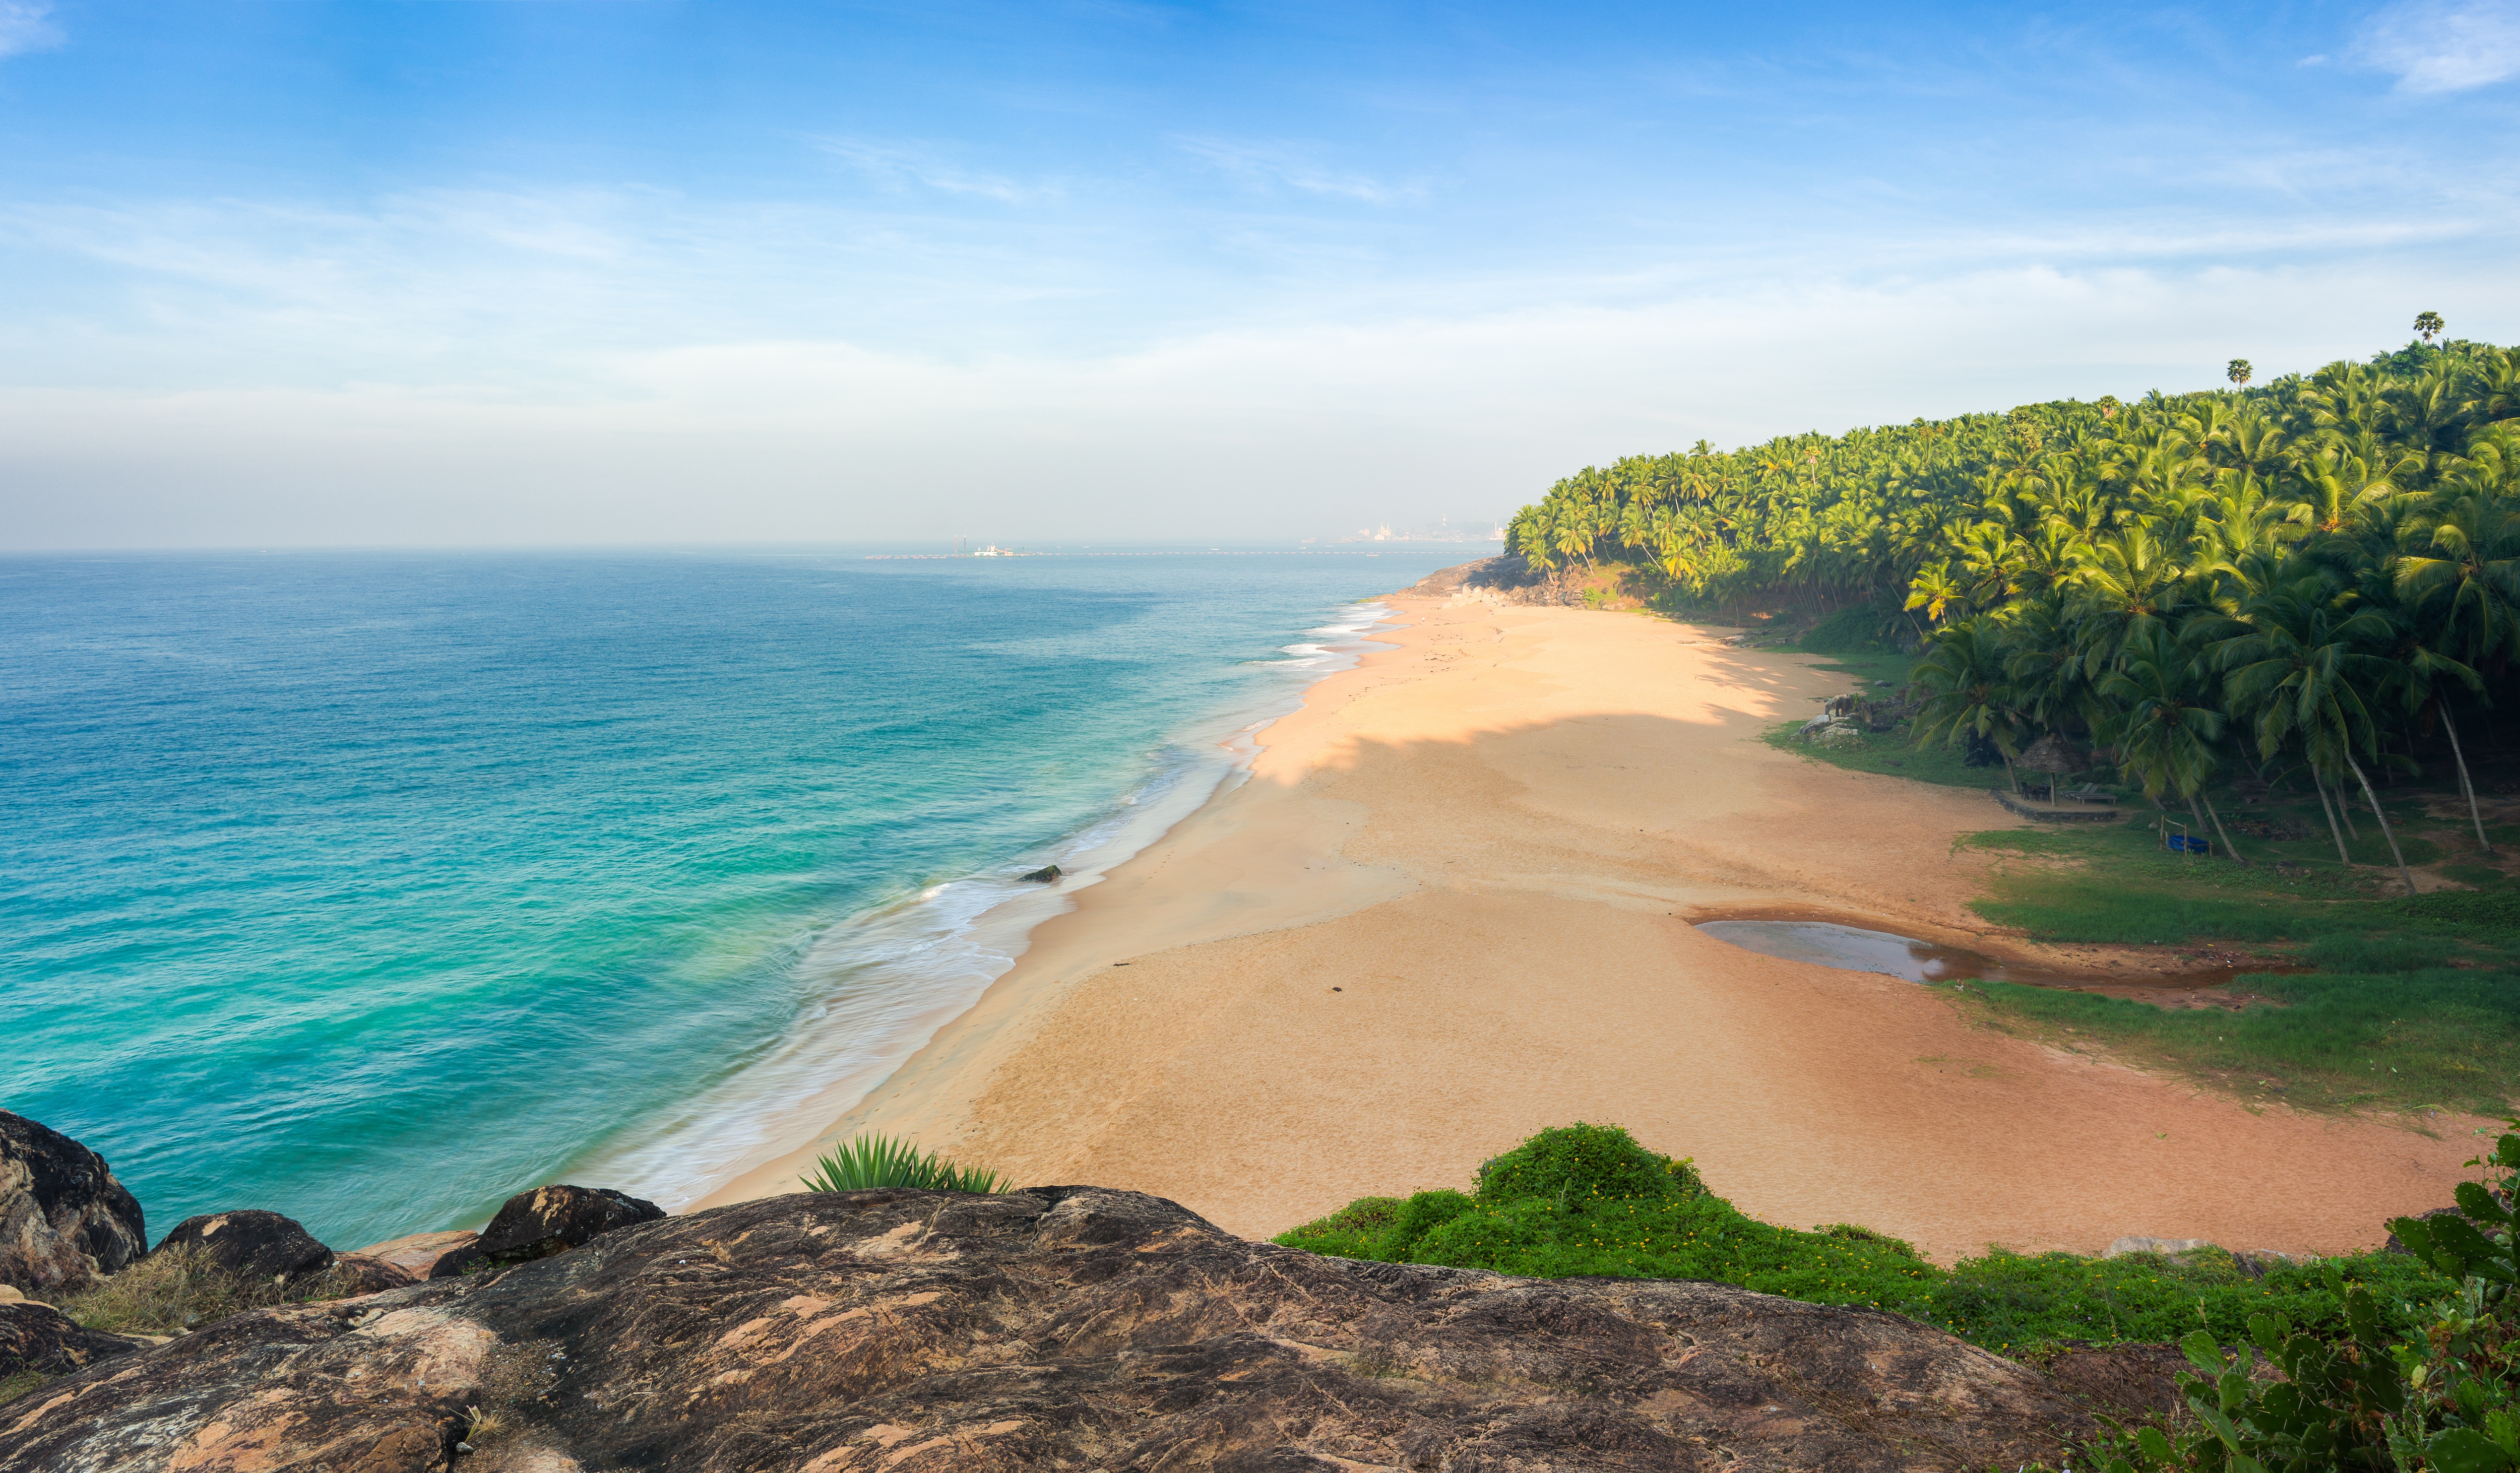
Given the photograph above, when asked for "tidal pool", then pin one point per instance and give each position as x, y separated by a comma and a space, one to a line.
1826, 943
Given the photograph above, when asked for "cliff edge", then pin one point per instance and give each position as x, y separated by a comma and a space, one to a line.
1054, 1327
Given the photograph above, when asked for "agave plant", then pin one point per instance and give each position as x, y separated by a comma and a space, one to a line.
871, 1161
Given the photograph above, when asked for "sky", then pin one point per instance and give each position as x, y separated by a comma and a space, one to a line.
456, 273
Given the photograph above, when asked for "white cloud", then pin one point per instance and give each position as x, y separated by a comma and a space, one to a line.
27, 26
1279, 431
1280, 164
2444, 45
912, 163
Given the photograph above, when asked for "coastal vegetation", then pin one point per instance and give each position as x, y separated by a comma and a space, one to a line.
2315, 581
1588, 1200
877, 1160
2385, 1360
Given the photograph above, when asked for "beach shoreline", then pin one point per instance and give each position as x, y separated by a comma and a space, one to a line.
1449, 902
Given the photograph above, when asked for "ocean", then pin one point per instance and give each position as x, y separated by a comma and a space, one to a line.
374, 888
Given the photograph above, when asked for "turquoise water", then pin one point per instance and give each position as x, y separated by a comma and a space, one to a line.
375, 888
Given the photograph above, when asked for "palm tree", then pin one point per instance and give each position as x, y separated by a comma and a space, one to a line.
2304, 667
1971, 696
2168, 728
2459, 582
2430, 326
2238, 371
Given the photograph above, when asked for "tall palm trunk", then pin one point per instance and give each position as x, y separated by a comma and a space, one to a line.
2328, 809
2368, 796
2228, 849
2009, 774
2464, 785
2347, 814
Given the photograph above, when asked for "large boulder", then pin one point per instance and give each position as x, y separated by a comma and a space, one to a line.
42, 1339
251, 1243
1056, 1327
545, 1220
65, 1221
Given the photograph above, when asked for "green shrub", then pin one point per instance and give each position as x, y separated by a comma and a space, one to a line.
1589, 1201
2367, 1390
873, 1161
1576, 1163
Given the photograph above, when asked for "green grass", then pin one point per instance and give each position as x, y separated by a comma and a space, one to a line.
16, 1385
1623, 1212
1890, 753
2447, 1038
2413, 1003
874, 1161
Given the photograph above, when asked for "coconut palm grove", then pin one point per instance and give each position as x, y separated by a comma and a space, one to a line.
2315, 580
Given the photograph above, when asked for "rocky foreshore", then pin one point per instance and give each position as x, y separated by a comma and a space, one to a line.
1050, 1327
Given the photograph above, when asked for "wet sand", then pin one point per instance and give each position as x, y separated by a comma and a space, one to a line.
1452, 906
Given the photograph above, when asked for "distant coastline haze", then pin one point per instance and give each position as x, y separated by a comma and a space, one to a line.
571, 274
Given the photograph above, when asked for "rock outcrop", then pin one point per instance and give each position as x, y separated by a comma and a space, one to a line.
42, 1339
1056, 1327
545, 1220
64, 1219
252, 1244
420, 1254
1509, 579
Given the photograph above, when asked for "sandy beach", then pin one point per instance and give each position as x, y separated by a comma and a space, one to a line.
1452, 904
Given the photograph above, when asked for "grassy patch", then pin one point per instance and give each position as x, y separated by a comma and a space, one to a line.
12, 1387
1627, 1213
171, 1289
176, 1289
2407, 1039
1889, 753
2413, 1003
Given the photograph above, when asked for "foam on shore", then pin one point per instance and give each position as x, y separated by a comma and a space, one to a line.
882, 983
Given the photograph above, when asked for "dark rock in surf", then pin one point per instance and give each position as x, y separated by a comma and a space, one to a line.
42, 1339
251, 1243
545, 1220
65, 1221
1058, 1326
1048, 874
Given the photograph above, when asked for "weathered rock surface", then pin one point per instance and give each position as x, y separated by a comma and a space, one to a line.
545, 1220
359, 1274
1057, 1327
64, 1219
419, 1254
251, 1243
37, 1337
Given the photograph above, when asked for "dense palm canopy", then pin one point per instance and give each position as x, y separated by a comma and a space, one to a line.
2302, 577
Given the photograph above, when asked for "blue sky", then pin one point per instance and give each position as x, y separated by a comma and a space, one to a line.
528, 272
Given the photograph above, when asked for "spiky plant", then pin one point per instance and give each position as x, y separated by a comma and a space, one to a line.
872, 1161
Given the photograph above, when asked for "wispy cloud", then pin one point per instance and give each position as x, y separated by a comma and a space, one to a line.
27, 26
2444, 45
915, 163
1279, 164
